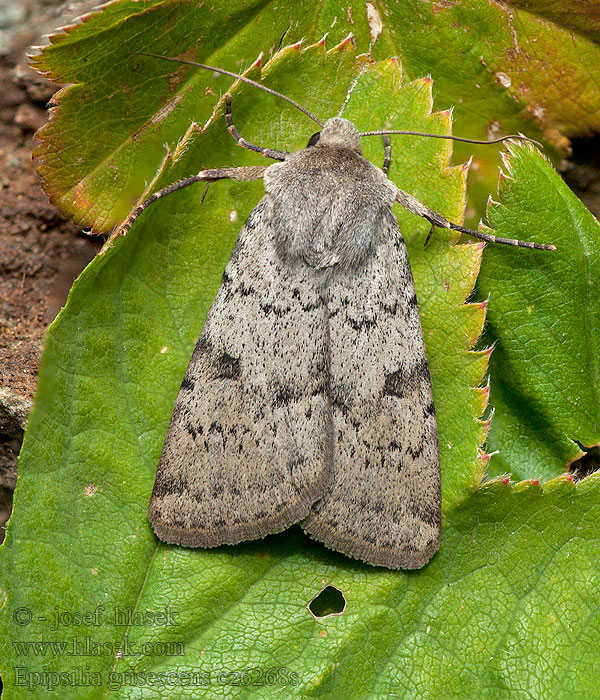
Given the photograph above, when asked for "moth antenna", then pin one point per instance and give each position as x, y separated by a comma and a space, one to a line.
237, 77
452, 138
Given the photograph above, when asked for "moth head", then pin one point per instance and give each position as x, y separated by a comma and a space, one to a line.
339, 133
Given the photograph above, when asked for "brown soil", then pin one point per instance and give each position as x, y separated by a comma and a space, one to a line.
40, 252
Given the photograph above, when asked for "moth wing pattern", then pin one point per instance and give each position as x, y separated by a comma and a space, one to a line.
248, 449
384, 506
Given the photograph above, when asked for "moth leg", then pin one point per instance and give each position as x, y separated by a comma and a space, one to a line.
387, 158
242, 174
206, 190
426, 240
266, 152
413, 205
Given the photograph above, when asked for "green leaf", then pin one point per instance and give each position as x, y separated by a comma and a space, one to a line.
581, 18
505, 609
504, 72
116, 355
545, 315
460, 628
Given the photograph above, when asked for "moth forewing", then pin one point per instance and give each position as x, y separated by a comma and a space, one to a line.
248, 449
385, 503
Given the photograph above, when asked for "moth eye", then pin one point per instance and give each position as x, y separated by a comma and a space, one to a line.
313, 139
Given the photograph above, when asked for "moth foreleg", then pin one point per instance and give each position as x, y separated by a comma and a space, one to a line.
245, 173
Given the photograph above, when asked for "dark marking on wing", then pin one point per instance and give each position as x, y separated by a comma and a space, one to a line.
228, 367
188, 384
397, 383
283, 394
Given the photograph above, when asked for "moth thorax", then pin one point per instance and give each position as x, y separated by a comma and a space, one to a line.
341, 133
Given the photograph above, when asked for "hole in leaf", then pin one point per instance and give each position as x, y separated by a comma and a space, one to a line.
330, 601
589, 462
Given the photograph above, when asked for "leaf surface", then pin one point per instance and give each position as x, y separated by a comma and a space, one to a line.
502, 67
117, 353
515, 578
545, 315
